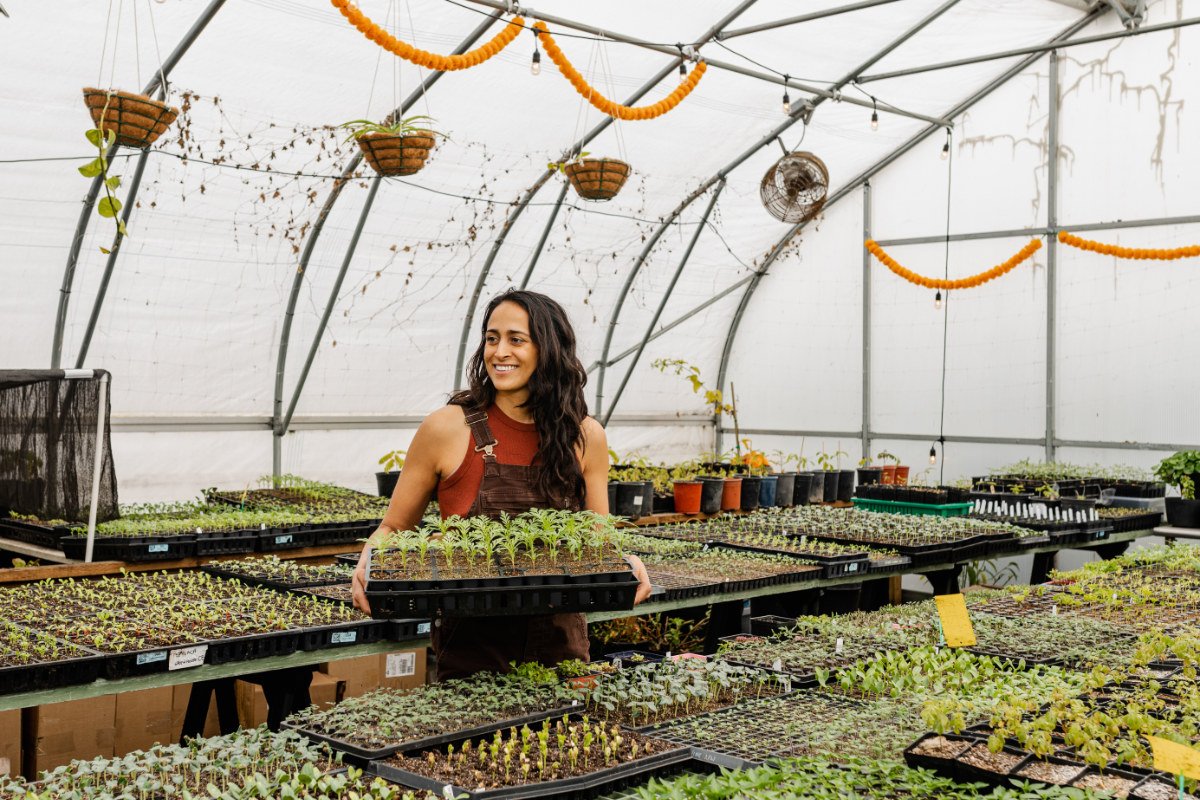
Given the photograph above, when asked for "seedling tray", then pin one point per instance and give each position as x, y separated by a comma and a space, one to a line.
831, 566
344, 533
888, 564
502, 596
246, 648
919, 554
913, 509
346, 633
50, 674
143, 662
1134, 522
414, 745
583, 787
32, 533
285, 539
221, 571
944, 765
224, 544
131, 548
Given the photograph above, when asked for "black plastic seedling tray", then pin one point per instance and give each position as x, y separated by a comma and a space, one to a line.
247, 648
344, 533
583, 787
226, 544
831, 566
48, 536
143, 662
890, 564
365, 755
221, 571
131, 548
346, 633
289, 539
50, 674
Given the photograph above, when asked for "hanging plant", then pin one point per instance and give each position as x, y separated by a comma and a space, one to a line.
597, 179
394, 149
136, 119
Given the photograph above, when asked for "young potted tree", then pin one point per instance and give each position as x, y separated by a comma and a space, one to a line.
887, 475
830, 473
392, 463
1182, 470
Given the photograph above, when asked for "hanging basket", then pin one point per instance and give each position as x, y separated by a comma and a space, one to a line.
137, 119
393, 155
597, 178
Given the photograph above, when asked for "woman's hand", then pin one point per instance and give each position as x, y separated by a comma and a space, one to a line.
644, 586
358, 583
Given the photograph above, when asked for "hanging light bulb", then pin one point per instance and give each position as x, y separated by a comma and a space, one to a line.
946, 146
874, 115
937, 300
933, 454
682, 72
535, 66
787, 104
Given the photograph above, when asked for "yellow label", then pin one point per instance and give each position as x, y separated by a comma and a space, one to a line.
956, 623
1175, 758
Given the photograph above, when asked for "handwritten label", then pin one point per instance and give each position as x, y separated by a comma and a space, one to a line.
401, 665
157, 548
285, 539
343, 637
422, 627
187, 657
840, 645
1175, 758
150, 658
956, 623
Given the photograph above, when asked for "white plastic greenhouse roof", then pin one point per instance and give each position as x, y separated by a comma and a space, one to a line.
1084, 356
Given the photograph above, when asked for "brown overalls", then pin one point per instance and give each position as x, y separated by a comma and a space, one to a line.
466, 645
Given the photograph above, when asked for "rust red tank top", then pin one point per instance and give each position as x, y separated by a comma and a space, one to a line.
516, 443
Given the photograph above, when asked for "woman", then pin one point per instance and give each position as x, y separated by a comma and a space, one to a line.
518, 438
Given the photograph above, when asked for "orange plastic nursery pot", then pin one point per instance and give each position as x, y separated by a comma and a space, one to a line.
731, 497
687, 497
901, 476
889, 474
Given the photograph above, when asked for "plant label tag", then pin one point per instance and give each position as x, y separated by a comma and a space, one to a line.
187, 657
343, 637
637, 501
157, 548
1054, 610
285, 539
852, 568
574, 703
150, 658
777, 665
448, 792
199, 530
262, 526
618, 663
956, 622
1175, 758
840, 645
804, 540
401, 665
423, 627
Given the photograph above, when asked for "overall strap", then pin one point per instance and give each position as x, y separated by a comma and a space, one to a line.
481, 432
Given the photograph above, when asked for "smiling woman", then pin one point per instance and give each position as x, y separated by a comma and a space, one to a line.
518, 438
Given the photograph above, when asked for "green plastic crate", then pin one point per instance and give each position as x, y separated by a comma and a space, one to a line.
915, 509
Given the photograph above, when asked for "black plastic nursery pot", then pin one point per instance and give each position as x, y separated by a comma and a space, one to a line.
663, 504
750, 492
710, 495
784, 489
802, 488
631, 496
816, 489
647, 507
385, 482
1183, 513
612, 496
869, 475
767, 486
830, 486
845, 488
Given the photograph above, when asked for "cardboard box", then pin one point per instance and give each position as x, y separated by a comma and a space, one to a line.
60, 732
143, 719
10, 742
402, 669
252, 704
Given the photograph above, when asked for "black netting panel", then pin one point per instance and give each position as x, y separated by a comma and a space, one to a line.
47, 446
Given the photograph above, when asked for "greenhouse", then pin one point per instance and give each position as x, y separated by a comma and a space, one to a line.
463, 398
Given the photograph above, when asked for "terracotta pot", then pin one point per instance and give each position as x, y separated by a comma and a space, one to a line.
597, 178
138, 120
687, 497
731, 497
888, 474
392, 155
901, 476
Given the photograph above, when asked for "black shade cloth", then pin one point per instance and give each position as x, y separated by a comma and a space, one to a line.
47, 445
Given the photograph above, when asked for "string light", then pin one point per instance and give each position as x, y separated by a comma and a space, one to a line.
535, 66
682, 72
937, 300
874, 115
946, 146
787, 101
933, 454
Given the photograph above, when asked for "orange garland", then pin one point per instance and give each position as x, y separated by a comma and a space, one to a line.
1139, 253
603, 103
434, 61
961, 283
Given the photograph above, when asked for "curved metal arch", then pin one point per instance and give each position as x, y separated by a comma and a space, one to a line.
529, 193
89, 201
802, 112
315, 234
537, 251
870, 172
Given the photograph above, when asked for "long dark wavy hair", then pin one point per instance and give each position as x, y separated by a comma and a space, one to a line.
556, 399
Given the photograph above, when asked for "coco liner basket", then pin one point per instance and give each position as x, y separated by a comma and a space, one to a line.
514, 593
137, 119
597, 178
392, 155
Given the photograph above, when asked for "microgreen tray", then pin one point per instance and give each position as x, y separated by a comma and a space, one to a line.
914, 509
